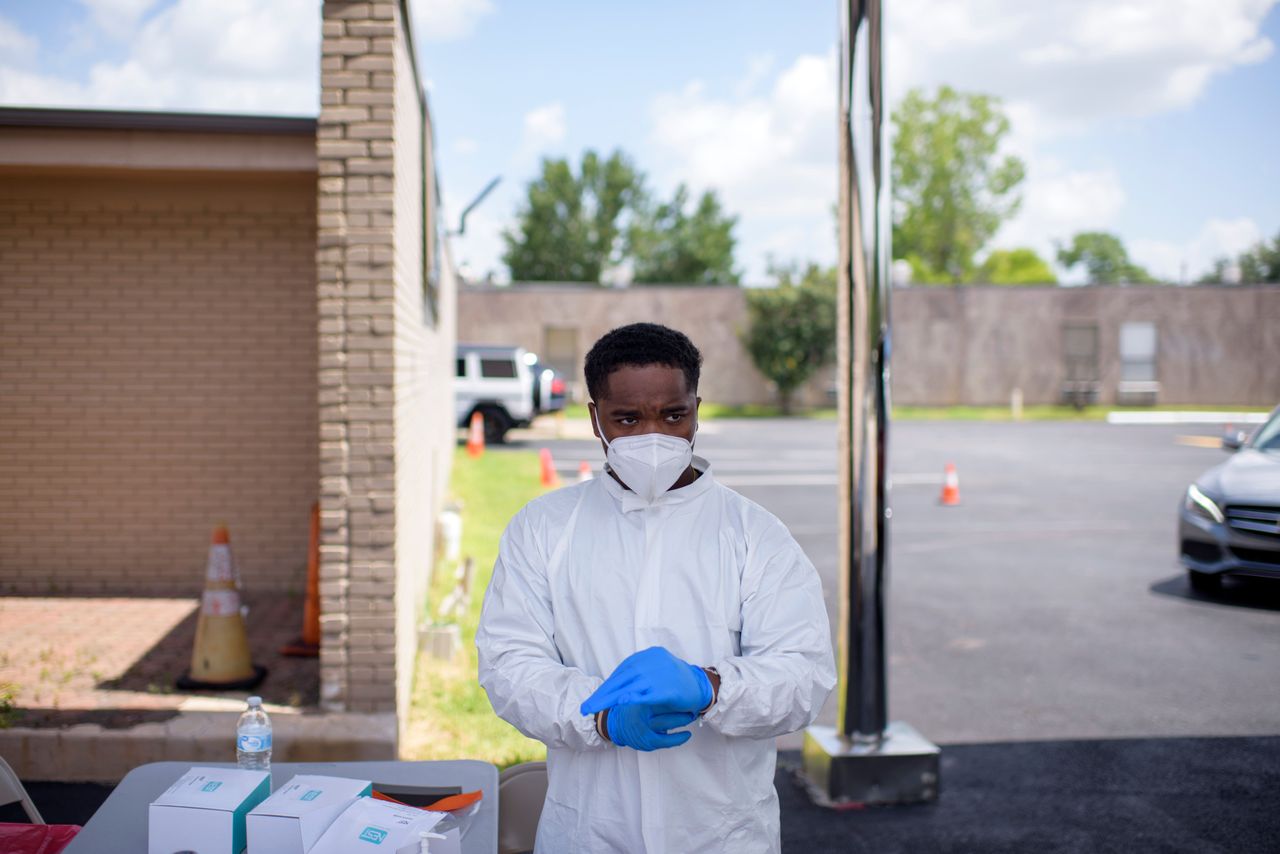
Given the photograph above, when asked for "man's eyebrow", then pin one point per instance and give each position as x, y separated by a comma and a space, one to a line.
676, 407
620, 411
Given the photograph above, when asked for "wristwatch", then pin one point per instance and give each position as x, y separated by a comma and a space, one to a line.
714, 692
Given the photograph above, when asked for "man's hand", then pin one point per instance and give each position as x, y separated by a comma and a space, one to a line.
654, 677
646, 727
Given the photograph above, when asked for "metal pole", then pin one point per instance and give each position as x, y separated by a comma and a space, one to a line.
865, 759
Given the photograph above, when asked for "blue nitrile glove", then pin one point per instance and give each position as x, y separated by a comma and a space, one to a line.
644, 727
656, 677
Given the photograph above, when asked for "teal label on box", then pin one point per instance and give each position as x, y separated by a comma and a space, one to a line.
373, 834
211, 787
312, 795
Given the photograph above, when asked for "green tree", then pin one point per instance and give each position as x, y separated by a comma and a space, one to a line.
1020, 266
1104, 258
569, 227
670, 245
791, 328
951, 190
1260, 263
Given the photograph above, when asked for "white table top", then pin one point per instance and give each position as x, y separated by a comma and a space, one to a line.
120, 825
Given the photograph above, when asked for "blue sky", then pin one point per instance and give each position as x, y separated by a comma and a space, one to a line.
1153, 118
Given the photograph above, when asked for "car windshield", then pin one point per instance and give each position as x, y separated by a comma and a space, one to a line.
1268, 436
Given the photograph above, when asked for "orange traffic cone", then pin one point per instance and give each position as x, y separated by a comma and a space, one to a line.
950, 486
584, 472
550, 479
308, 645
220, 658
475, 435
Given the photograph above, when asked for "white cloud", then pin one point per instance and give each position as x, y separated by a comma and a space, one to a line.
117, 18
1062, 66
15, 45
544, 126
465, 145
1056, 203
1186, 260
771, 156
447, 20
210, 55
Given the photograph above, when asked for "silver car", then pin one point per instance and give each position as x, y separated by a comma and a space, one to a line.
1229, 522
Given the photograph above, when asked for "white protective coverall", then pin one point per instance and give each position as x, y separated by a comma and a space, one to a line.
589, 574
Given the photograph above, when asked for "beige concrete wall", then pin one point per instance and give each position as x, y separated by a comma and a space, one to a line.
712, 317
157, 370
969, 345
385, 355
974, 345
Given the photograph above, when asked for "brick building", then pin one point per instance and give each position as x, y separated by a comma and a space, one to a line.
208, 318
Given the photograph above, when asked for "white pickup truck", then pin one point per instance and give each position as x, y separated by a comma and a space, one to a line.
506, 385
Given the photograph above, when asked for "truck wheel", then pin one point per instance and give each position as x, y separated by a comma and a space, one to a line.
496, 425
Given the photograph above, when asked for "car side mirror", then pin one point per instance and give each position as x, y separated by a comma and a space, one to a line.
1233, 440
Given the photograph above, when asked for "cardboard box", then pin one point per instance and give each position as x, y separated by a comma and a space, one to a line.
204, 811
295, 816
392, 828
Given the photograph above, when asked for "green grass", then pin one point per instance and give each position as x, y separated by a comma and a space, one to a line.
450, 716
8, 697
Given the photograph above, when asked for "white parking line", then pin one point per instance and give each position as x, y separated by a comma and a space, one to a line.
1186, 417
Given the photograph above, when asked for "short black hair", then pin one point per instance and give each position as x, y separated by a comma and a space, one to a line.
638, 345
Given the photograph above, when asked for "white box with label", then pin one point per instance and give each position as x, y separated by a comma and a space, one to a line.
204, 811
296, 814
370, 825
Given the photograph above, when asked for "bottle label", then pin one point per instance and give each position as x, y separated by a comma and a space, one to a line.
254, 743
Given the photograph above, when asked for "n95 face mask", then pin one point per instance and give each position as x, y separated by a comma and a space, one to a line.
648, 463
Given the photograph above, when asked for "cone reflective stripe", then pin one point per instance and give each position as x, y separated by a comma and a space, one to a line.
951, 486
584, 472
220, 657
549, 476
475, 435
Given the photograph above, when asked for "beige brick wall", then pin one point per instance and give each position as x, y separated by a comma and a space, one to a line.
385, 361
157, 375
424, 358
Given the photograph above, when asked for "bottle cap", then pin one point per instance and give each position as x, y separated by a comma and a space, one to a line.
255, 701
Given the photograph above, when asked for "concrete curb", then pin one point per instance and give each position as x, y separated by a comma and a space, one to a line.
89, 753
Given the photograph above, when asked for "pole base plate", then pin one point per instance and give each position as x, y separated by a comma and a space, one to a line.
902, 767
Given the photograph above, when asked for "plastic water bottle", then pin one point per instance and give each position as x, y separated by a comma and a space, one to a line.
253, 738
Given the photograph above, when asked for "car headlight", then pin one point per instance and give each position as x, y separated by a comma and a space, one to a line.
1202, 505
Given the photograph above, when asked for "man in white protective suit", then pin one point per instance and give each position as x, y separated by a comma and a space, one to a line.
627, 607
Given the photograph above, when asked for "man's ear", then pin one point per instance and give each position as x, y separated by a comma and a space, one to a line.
594, 413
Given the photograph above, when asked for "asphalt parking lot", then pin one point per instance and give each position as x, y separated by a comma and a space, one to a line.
1049, 604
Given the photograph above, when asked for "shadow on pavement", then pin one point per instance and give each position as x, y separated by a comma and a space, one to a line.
273, 620
1123, 795
1258, 593
144, 690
